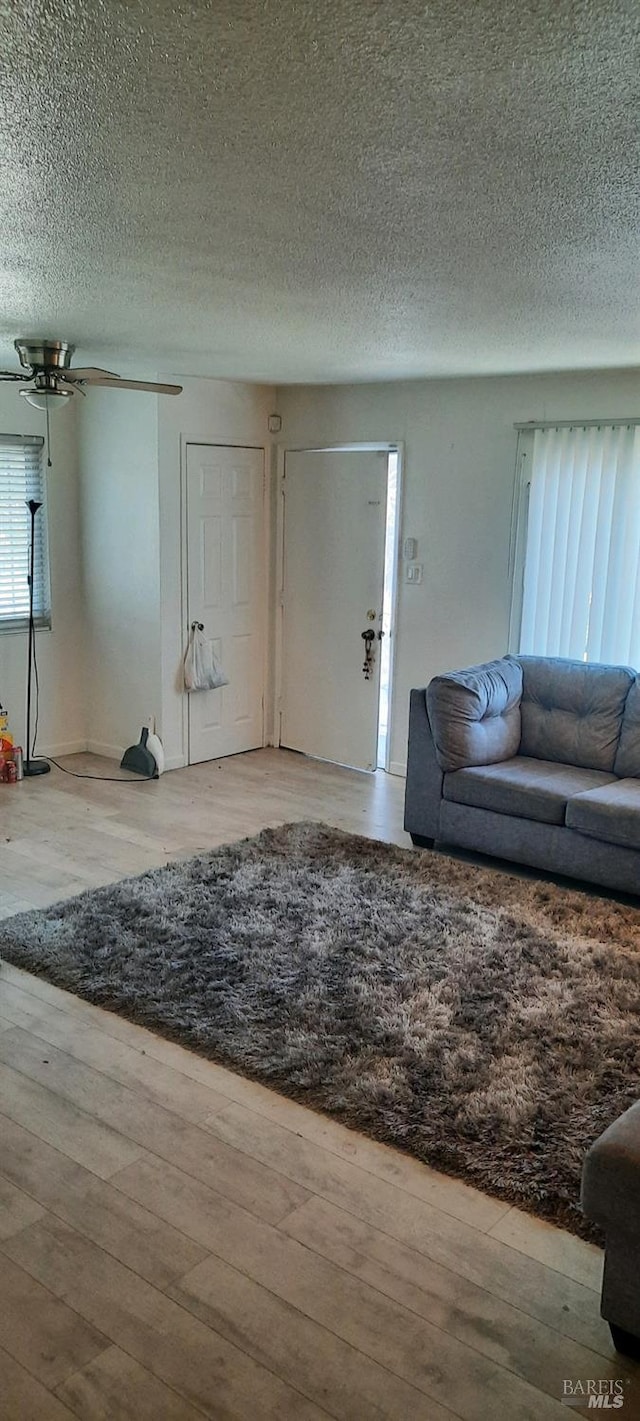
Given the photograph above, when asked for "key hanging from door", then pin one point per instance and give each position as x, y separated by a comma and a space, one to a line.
368, 638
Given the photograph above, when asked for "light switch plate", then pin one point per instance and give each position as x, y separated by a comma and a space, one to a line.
413, 572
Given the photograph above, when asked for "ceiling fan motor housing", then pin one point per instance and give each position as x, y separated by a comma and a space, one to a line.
40, 354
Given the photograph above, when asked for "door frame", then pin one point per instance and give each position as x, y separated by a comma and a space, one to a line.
185, 441
393, 446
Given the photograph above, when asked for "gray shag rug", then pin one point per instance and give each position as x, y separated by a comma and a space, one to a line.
487, 1024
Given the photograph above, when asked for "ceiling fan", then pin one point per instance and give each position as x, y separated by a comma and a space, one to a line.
46, 365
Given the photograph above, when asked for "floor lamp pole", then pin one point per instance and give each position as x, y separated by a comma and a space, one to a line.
32, 767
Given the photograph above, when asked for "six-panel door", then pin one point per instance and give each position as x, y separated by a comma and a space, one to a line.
226, 592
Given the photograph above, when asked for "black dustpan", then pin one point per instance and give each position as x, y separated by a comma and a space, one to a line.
139, 759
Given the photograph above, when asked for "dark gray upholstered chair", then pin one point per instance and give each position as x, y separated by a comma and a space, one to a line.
611, 1198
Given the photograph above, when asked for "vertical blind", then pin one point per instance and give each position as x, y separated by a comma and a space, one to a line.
22, 477
581, 595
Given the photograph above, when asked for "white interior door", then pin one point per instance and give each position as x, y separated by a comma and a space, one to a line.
333, 577
226, 592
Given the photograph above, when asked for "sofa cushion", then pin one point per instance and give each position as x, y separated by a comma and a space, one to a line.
525, 787
627, 761
572, 710
475, 714
611, 813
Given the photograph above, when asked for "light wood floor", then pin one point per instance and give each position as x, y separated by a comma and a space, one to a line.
176, 1242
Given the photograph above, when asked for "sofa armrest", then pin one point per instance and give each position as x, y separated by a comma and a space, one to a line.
475, 714
611, 1176
611, 1197
423, 794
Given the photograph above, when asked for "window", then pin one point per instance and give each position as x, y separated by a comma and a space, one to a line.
21, 478
577, 585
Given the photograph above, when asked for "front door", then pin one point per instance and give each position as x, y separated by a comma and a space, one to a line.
333, 579
226, 592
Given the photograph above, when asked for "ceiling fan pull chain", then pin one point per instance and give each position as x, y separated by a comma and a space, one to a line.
48, 437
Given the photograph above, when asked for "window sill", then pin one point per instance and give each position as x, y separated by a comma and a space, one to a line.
6, 629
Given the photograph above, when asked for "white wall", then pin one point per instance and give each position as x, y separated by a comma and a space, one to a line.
208, 411
460, 448
60, 651
118, 453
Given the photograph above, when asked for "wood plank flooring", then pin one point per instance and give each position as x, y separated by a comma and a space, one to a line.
178, 1242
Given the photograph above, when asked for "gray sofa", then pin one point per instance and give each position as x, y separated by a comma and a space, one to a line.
532, 759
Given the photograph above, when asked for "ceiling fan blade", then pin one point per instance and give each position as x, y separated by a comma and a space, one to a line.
150, 385
88, 373
73, 385
13, 375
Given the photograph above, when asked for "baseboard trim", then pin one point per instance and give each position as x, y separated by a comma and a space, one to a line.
175, 762
109, 752
65, 747
396, 767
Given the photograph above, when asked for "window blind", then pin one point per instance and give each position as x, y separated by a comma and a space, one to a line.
21, 478
581, 592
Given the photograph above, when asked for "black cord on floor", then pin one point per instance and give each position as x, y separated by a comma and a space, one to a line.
108, 779
76, 774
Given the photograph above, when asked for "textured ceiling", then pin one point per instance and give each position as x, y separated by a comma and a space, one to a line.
323, 189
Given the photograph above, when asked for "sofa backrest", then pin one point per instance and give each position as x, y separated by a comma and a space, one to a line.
475, 714
627, 761
572, 711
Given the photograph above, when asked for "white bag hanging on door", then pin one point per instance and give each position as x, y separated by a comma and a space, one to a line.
202, 670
